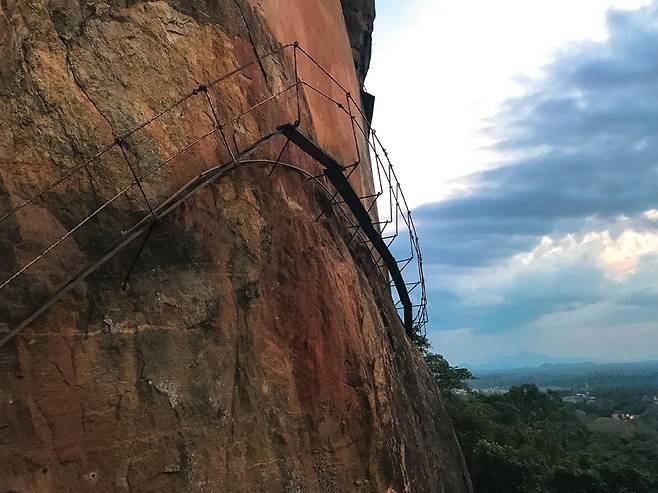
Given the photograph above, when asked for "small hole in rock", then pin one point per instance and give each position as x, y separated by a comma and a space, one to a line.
93, 475
44, 471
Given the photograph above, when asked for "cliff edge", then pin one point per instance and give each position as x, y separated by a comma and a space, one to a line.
243, 347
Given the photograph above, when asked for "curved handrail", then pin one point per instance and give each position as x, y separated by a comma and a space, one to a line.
398, 207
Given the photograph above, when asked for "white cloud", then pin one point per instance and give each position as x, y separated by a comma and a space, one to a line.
442, 73
621, 254
593, 295
564, 266
617, 256
651, 215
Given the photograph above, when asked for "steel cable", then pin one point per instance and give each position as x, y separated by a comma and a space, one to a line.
397, 202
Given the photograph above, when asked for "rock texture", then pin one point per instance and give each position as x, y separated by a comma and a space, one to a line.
360, 18
249, 351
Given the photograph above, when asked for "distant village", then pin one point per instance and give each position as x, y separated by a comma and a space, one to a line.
585, 398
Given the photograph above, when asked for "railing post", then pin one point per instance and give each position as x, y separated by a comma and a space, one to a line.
356, 140
120, 143
278, 158
297, 83
219, 127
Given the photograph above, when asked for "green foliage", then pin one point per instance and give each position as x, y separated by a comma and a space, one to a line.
504, 469
449, 378
631, 400
526, 440
529, 441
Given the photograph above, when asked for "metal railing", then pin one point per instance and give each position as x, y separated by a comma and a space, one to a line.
395, 219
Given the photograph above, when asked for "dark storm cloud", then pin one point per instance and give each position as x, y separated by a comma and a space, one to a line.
587, 134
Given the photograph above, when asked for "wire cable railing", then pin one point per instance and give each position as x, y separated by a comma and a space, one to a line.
394, 216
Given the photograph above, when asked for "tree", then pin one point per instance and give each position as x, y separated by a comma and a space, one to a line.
504, 469
449, 378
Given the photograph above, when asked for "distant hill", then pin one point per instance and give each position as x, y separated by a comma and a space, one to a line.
522, 359
568, 375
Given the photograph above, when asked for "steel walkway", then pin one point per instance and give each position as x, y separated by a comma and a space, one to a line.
379, 235
334, 172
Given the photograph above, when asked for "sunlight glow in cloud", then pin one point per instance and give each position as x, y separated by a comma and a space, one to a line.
618, 255
622, 254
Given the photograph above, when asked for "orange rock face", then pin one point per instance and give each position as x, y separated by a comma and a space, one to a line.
249, 351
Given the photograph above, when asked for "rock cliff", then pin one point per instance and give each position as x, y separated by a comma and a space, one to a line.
249, 350
359, 19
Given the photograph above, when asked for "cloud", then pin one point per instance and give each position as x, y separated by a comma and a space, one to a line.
562, 240
586, 137
573, 284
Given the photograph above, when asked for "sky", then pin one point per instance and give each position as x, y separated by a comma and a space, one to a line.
525, 134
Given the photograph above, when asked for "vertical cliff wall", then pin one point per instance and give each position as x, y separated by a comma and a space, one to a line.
249, 350
359, 19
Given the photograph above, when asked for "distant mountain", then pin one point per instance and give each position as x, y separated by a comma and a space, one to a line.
522, 359
573, 376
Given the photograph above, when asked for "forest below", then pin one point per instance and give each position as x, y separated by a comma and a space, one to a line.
525, 440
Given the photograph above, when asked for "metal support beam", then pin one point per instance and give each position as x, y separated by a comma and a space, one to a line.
334, 172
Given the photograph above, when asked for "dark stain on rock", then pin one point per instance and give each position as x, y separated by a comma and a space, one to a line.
99, 232
359, 19
21, 298
9, 362
247, 294
169, 246
67, 17
169, 249
240, 264
9, 236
